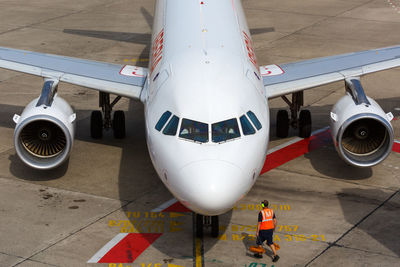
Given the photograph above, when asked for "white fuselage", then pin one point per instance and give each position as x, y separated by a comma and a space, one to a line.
203, 69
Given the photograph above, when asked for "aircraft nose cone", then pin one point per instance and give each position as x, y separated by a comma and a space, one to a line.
212, 187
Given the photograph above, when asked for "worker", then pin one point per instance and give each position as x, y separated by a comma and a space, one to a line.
265, 229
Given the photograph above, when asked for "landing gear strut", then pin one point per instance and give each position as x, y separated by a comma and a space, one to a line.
207, 221
100, 120
300, 120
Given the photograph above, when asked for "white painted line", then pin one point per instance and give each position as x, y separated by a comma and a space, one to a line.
103, 251
165, 205
320, 130
398, 142
293, 141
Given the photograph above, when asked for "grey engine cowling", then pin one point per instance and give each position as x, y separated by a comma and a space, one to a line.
360, 129
44, 132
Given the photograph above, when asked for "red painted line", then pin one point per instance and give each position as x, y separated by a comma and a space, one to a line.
176, 207
129, 248
396, 146
292, 151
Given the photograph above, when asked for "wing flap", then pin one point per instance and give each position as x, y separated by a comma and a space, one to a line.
307, 74
100, 76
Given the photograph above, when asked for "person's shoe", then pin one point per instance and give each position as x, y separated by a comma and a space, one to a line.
275, 259
256, 255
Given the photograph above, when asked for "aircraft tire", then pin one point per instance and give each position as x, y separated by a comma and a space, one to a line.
119, 124
282, 124
214, 226
96, 124
305, 124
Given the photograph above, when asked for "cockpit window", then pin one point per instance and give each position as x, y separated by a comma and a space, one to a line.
194, 130
172, 126
225, 130
163, 120
254, 119
246, 126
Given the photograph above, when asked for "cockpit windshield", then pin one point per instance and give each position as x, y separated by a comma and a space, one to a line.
199, 132
254, 119
225, 130
172, 126
194, 130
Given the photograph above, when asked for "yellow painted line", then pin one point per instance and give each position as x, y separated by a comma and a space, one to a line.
175, 214
198, 252
137, 60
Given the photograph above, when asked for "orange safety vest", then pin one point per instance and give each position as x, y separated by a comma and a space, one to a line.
267, 221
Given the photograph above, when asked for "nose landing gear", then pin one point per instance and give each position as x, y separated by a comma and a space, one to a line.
207, 222
300, 120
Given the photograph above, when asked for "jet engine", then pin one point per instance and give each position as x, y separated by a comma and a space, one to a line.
361, 130
44, 132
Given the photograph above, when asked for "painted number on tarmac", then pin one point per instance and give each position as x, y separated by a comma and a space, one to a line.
253, 228
258, 207
146, 214
277, 238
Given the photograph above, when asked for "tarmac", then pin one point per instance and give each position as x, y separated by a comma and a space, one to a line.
107, 203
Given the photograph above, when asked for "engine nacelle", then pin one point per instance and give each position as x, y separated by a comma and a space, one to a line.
44, 133
360, 129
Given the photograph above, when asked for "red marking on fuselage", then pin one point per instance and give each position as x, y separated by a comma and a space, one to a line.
157, 50
250, 50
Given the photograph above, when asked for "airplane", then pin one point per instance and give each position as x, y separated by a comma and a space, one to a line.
206, 99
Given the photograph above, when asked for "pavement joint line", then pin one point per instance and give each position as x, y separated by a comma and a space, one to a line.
368, 251
353, 227
336, 179
320, 21
83, 227
54, 18
23, 258
67, 190
40, 22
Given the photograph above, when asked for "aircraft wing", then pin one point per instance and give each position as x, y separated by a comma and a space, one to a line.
293, 77
116, 79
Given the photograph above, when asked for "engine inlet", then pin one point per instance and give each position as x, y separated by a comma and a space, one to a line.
43, 139
364, 137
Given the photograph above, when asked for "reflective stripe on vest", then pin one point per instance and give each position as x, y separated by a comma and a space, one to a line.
267, 221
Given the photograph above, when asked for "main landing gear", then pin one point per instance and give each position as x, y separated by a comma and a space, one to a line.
100, 120
207, 221
300, 120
